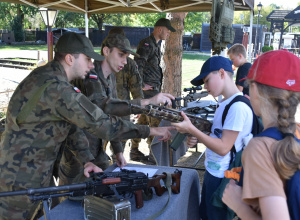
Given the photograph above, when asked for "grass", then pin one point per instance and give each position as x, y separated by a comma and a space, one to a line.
191, 65
23, 47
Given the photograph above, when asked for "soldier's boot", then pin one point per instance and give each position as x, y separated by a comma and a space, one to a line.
137, 155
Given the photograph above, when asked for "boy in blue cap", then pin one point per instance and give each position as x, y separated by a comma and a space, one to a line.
217, 76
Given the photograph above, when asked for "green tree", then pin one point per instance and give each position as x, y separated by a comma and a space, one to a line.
193, 21
67, 19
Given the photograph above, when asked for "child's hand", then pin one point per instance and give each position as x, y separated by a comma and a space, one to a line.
184, 126
191, 141
232, 195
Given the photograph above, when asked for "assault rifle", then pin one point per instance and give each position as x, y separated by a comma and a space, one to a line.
172, 115
123, 183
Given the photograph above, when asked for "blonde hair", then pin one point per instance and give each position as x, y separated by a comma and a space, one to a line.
280, 106
237, 49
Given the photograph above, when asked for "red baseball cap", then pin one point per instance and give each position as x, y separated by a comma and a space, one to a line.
279, 68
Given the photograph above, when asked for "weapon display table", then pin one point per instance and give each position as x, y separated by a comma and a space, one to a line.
161, 150
184, 205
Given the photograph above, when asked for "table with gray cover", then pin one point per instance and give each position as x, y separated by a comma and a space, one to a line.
184, 205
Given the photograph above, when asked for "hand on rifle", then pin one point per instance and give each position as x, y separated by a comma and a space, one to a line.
163, 132
185, 126
191, 141
90, 167
160, 98
121, 161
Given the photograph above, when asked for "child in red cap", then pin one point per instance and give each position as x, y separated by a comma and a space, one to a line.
274, 82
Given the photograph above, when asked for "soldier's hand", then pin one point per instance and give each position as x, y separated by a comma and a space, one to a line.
90, 167
121, 161
160, 98
147, 87
163, 132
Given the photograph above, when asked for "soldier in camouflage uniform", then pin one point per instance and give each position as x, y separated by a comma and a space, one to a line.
151, 73
129, 82
100, 87
39, 117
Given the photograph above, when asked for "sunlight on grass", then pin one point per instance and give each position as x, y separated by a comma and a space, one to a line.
23, 47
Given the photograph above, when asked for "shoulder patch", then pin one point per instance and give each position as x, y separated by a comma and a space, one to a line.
136, 66
76, 89
146, 44
93, 76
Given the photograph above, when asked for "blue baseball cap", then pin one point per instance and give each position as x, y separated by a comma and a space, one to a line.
214, 63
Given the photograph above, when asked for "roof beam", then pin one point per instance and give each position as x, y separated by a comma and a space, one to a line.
53, 3
29, 3
75, 6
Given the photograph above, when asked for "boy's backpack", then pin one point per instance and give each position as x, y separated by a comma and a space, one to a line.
257, 126
236, 157
293, 184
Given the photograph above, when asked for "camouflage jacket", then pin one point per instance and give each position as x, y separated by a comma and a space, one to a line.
129, 81
39, 117
100, 90
149, 62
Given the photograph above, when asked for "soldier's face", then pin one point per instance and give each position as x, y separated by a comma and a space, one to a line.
82, 65
165, 33
116, 59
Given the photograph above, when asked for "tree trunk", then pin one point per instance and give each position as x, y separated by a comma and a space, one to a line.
172, 56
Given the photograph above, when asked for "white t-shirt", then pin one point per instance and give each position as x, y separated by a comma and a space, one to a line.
239, 118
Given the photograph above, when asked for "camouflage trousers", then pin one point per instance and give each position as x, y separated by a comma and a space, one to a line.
71, 169
144, 120
20, 207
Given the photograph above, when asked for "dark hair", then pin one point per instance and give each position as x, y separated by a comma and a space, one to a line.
61, 56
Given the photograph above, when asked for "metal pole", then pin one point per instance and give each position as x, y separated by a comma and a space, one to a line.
50, 43
255, 45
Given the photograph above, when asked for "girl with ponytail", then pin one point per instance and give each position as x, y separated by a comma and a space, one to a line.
274, 82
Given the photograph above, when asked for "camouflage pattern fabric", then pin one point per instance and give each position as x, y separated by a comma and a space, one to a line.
144, 120
29, 147
151, 73
149, 64
129, 82
70, 168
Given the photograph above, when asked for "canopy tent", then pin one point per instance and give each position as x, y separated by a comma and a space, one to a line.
130, 6
279, 17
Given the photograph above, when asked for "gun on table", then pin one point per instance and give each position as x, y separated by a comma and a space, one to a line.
123, 183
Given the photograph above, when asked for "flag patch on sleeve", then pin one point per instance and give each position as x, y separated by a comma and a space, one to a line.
76, 89
146, 44
93, 76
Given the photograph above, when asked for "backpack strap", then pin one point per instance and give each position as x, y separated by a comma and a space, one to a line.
238, 98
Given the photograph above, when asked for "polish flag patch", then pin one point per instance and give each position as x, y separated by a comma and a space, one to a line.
93, 76
146, 44
76, 89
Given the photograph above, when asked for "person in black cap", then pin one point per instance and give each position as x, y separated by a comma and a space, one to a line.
152, 76
217, 76
41, 113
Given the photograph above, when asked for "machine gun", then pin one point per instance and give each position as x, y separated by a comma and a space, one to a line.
123, 183
172, 115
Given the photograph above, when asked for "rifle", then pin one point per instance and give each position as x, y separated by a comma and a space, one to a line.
172, 115
122, 184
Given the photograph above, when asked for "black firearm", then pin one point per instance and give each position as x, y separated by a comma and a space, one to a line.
123, 183
190, 97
